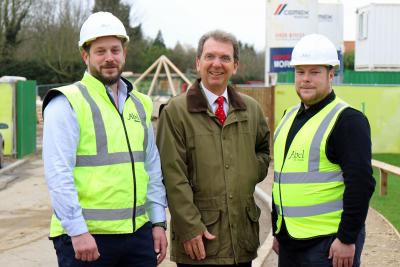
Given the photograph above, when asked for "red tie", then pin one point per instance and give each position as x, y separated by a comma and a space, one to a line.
220, 113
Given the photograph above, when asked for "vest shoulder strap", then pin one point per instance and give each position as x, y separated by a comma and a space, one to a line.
71, 88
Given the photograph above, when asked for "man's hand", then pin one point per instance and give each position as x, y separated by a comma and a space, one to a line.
194, 247
342, 255
160, 243
85, 247
275, 245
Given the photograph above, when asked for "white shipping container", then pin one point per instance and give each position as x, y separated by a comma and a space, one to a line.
378, 38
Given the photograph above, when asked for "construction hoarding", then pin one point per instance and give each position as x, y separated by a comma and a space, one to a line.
26, 118
381, 105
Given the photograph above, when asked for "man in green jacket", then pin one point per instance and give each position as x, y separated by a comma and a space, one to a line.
214, 149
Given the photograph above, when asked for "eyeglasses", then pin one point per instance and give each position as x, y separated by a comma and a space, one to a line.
223, 59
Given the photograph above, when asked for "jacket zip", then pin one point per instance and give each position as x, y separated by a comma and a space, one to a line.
132, 162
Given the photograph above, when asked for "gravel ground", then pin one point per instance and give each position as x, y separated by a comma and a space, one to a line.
24, 218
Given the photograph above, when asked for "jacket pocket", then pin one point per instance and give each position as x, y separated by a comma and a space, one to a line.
250, 233
211, 220
262, 169
192, 168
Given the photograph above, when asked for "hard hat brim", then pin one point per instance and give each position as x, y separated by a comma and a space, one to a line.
123, 38
321, 63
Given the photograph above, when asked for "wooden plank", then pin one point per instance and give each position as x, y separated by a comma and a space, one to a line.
171, 84
147, 71
177, 71
155, 77
383, 182
384, 170
386, 167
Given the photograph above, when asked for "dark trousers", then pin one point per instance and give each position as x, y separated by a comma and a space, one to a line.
116, 250
317, 256
244, 264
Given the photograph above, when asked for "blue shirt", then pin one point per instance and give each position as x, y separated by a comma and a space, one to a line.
60, 142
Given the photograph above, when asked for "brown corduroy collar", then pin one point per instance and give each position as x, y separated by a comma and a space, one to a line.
197, 102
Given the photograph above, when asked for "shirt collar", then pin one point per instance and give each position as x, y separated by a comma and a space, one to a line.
197, 101
211, 97
122, 88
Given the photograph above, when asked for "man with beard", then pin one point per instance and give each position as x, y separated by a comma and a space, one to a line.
101, 163
323, 176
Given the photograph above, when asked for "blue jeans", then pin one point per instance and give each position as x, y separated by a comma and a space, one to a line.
317, 256
116, 250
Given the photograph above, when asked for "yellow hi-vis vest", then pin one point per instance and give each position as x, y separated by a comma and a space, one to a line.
308, 188
109, 174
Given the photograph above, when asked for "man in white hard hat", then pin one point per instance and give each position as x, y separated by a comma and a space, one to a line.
101, 163
322, 158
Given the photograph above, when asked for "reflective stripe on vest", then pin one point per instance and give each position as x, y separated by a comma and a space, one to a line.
304, 177
314, 158
313, 175
112, 214
305, 211
308, 188
285, 119
103, 157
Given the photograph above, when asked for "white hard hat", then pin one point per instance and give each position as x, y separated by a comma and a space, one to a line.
314, 49
101, 24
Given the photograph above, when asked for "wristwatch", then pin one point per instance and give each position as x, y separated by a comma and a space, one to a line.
161, 224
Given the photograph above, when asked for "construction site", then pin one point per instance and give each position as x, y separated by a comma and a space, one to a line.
372, 87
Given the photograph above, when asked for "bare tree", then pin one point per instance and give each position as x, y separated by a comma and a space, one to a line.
251, 66
125, 12
12, 15
117, 8
56, 35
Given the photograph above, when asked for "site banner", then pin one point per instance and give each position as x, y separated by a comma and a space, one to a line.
287, 22
330, 23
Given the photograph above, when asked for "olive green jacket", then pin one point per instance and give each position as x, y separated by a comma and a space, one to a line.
210, 172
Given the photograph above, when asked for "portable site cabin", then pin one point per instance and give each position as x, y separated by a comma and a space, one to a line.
18, 115
378, 36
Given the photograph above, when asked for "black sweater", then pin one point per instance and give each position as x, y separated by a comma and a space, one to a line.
348, 145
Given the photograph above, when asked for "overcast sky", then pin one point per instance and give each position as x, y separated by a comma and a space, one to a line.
186, 20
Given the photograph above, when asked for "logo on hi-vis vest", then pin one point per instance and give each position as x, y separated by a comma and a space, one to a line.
297, 155
134, 116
